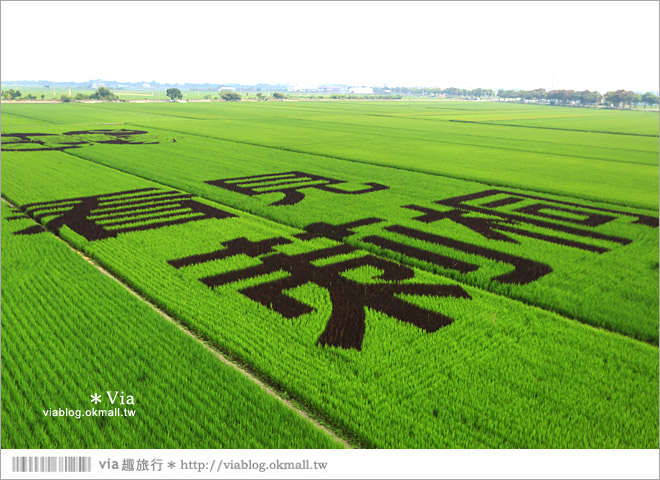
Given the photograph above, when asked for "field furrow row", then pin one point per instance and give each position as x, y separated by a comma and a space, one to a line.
548, 236
80, 333
407, 278
345, 331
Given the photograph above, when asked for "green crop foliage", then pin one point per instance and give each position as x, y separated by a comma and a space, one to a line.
428, 138
69, 331
628, 272
530, 324
500, 374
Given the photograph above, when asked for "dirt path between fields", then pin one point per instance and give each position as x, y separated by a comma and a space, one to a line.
219, 355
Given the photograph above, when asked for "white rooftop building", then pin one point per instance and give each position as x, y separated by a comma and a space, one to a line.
302, 88
361, 90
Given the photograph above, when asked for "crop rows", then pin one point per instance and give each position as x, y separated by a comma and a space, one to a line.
69, 331
599, 246
480, 361
536, 159
406, 309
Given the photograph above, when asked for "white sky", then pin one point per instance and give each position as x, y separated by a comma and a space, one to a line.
575, 45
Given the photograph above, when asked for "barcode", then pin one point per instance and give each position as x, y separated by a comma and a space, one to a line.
51, 464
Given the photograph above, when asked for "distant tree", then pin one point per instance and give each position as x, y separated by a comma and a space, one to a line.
635, 100
572, 96
560, 96
11, 94
589, 98
43, 96
539, 94
453, 92
279, 96
29, 96
618, 97
81, 96
504, 94
230, 96
65, 98
174, 94
612, 98
259, 95
649, 99
102, 93
628, 98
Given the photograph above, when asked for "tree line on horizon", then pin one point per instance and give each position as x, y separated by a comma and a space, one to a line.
614, 99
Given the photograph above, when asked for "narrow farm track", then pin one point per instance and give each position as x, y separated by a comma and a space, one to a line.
314, 418
322, 126
363, 296
448, 142
484, 181
376, 252
488, 182
401, 168
555, 128
34, 118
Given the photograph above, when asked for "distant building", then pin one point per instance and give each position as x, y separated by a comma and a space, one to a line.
302, 88
146, 85
361, 90
226, 89
339, 89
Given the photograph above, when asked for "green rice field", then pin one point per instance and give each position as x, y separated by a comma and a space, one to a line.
399, 274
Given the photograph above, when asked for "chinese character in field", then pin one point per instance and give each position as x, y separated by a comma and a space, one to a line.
495, 214
105, 216
121, 136
34, 142
39, 142
525, 270
346, 325
288, 183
